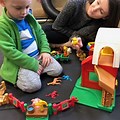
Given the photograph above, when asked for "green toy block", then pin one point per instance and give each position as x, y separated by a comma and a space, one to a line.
90, 97
39, 118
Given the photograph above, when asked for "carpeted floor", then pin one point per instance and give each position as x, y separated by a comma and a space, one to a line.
79, 112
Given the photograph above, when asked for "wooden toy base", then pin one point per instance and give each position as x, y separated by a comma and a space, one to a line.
37, 113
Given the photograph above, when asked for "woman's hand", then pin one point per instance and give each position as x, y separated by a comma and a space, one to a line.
76, 43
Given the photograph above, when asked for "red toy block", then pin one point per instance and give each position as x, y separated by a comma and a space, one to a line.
16, 102
88, 67
64, 105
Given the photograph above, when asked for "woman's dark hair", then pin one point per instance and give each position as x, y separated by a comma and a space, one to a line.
91, 1
114, 13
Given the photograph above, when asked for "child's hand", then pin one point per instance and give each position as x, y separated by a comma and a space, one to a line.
45, 58
77, 44
40, 70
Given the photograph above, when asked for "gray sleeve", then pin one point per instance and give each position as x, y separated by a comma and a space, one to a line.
63, 18
88, 32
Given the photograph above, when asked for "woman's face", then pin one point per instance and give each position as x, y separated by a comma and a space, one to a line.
98, 9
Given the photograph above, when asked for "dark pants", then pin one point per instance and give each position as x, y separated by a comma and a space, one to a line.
54, 36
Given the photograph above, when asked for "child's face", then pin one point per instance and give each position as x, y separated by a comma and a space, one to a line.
17, 9
98, 9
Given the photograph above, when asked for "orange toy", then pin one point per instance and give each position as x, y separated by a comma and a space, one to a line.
56, 81
2, 88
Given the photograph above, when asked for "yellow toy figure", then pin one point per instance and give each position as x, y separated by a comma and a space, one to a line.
2, 87
75, 41
80, 53
66, 51
39, 103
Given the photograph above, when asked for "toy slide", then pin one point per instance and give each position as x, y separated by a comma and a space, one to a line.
106, 80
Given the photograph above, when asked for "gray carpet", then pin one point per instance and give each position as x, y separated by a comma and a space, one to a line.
79, 112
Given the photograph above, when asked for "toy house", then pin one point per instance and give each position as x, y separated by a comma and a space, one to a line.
96, 86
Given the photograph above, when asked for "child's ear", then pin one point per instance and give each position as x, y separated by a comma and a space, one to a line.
2, 3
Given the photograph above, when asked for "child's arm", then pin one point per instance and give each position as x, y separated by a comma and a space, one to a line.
12, 51
45, 59
43, 44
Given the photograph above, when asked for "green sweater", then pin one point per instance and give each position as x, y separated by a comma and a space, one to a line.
10, 46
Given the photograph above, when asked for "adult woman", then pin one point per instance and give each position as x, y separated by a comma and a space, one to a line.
82, 18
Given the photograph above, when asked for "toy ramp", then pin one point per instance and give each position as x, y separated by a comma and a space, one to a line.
106, 80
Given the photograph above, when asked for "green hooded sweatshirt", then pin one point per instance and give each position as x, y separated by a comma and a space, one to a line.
10, 46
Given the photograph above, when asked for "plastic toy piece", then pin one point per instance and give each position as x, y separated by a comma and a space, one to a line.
4, 99
105, 72
64, 105
66, 51
41, 104
107, 37
99, 71
81, 55
16, 102
62, 58
2, 88
53, 53
56, 81
37, 108
75, 41
87, 68
35, 112
53, 95
107, 98
65, 77
90, 47
106, 56
35, 100
106, 80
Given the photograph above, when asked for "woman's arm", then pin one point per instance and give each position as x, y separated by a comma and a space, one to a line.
88, 32
60, 24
